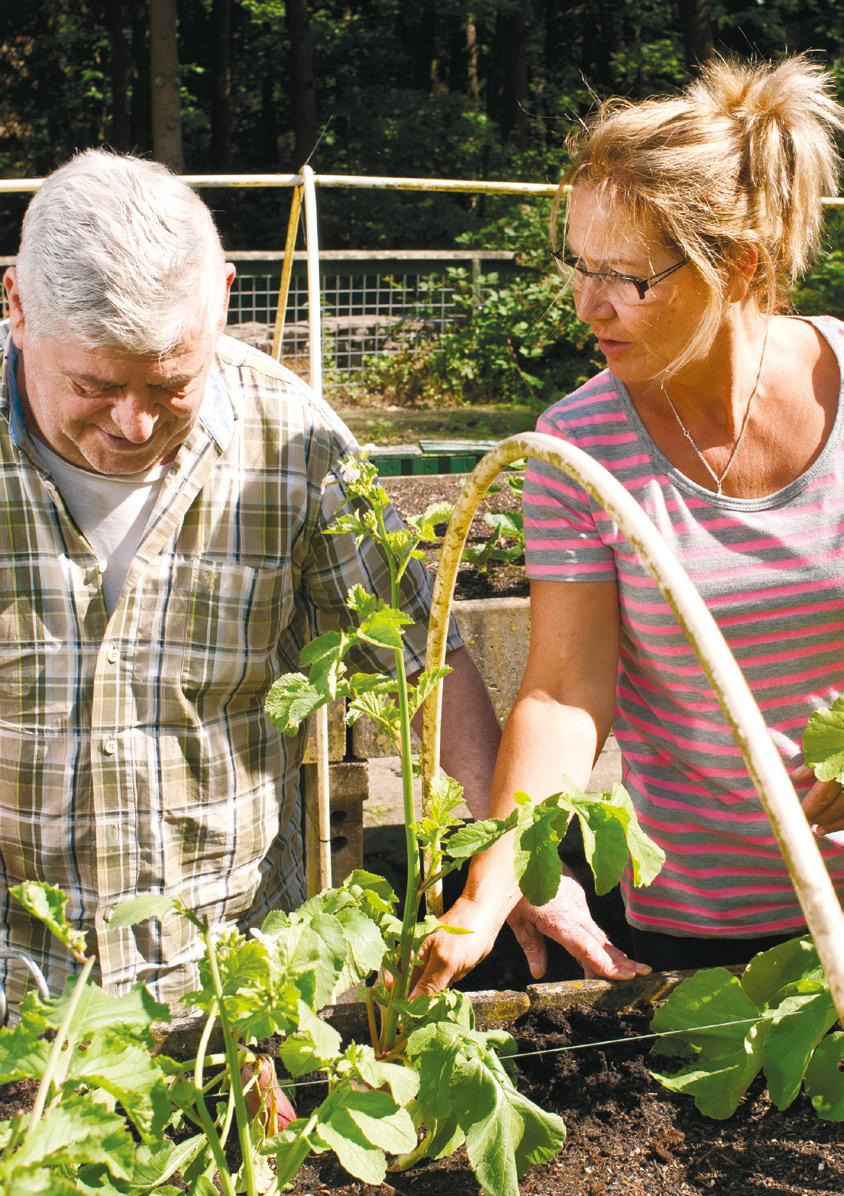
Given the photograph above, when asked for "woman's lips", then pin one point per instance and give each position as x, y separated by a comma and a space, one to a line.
610, 348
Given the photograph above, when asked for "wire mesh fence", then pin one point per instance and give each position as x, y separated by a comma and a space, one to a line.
371, 303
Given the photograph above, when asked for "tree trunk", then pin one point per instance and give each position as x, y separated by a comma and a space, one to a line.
696, 26
140, 130
116, 17
513, 42
164, 70
472, 76
302, 81
221, 86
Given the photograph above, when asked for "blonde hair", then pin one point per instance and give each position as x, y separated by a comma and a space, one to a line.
737, 162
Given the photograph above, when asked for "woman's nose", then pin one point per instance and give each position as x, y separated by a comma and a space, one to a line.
590, 302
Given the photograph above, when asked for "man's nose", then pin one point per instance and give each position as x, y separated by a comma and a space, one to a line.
134, 418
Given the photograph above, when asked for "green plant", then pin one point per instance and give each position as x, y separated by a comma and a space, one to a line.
774, 1019
428, 1080
506, 541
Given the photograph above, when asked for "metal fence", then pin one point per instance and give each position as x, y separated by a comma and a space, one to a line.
371, 301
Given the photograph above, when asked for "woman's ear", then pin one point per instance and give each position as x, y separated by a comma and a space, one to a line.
742, 272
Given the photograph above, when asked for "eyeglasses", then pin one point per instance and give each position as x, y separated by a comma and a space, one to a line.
617, 288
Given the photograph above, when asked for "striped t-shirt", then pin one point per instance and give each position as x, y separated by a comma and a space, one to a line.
771, 571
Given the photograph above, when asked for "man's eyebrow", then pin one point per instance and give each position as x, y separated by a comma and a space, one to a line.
93, 380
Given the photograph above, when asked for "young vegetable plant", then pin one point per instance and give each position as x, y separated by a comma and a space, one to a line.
775, 1019
506, 540
465, 1082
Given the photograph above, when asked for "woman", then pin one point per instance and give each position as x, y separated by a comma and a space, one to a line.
688, 219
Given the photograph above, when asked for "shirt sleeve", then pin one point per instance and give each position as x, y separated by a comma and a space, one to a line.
335, 563
562, 540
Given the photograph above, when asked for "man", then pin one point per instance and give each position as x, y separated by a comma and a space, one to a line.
162, 561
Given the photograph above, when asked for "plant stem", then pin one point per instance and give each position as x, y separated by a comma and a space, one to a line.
58, 1044
240, 1110
401, 982
300, 1149
208, 1126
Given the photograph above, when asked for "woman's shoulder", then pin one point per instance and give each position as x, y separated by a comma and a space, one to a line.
597, 398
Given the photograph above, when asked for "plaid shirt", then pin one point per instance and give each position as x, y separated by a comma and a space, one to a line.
135, 756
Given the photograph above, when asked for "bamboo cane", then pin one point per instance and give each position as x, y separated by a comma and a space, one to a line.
323, 785
799, 848
286, 271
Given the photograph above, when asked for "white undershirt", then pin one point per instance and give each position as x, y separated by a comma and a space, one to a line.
111, 511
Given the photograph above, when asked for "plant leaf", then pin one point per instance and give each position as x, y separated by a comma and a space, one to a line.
823, 742
798, 1024
291, 700
79, 1130
729, 1057
139, 909
383, 628
48, 904
540, 828
473, 837
825, 1078
23, 1054
126, 1070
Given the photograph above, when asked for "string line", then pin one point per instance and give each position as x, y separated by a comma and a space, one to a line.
581, 1046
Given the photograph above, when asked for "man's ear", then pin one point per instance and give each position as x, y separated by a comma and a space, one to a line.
16, 317
230, 273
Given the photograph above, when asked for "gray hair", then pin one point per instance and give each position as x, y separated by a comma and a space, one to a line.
119, 253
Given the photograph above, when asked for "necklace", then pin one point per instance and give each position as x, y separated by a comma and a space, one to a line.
718, 479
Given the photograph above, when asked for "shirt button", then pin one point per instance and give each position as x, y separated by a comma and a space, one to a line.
109, 746
102, 566
112, 654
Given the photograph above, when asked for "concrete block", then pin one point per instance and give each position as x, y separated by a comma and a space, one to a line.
496, 632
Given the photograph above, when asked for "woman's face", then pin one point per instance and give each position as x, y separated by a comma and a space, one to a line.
638, 337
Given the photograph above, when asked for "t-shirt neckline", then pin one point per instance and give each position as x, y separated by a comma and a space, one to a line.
778, 497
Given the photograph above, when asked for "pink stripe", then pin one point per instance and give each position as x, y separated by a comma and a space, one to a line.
706, 816
745, 794
607, 439
782, 612
600, 417
703, 724
780, 925
549, 571
666, 830
658, 732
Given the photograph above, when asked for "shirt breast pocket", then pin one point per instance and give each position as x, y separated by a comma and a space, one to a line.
38, 667
230, 620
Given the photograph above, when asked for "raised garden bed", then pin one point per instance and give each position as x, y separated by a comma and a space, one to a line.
626, 1134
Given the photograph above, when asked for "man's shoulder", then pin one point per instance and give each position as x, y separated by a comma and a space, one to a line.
259, 383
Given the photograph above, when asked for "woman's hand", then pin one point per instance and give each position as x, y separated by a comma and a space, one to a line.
447, 957
823, 805
567, 920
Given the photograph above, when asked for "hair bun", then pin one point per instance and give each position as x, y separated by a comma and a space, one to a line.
793, 91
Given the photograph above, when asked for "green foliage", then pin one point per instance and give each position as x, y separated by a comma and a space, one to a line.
773, 1019
823, 742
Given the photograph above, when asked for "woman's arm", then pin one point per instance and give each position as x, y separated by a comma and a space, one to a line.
561, 717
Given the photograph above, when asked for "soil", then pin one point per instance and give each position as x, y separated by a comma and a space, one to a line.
411, 496
626, 1134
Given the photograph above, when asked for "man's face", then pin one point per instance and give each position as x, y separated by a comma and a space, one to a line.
107, 411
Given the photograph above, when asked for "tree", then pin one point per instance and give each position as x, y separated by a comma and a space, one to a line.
696, 27
166, 84
302, 81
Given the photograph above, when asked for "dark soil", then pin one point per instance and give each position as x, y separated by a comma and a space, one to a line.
626, 1134
412, 495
